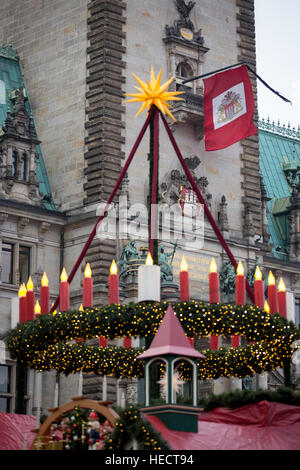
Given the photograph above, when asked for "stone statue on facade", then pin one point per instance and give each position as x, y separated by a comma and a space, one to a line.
128, 257
227, 278
166, 269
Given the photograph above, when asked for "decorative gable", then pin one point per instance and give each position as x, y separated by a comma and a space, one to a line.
185, 56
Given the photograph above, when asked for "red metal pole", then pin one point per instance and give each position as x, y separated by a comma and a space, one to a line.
153, 208
202, 200
112, 195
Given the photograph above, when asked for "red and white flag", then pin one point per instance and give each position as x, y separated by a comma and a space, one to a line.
228, 108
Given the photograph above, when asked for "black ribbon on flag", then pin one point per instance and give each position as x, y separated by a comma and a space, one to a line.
235, 65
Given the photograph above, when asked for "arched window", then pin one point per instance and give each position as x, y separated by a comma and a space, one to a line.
24, 162
183, 71
156, 382
14, 164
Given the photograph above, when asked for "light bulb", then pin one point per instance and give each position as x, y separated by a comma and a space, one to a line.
113, 268
240, 269
281, 285
37, 308
149, 260
88, 271
44, 280
258, 274
183, 265
29, 284
64, 276
271, 279
213, 266
22, 290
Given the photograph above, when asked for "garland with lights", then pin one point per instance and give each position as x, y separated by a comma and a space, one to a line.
130, 426
239, 398
52, 341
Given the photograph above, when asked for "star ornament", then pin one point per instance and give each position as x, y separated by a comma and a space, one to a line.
154, 93
176, 382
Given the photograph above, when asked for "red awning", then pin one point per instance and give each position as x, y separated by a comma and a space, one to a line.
16, 431
260, 426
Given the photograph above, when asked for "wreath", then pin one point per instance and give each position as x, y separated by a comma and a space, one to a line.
63, 341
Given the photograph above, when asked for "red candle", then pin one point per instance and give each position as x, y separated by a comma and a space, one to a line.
184, 281
235, 341
102, 341
22, 303
214, 288
282, 298
87, 300
127, 342
113, 284
214, 296
259, 289
240, 286
30, 299
64, 292
240, 297
272, 294
44, 295
214, 342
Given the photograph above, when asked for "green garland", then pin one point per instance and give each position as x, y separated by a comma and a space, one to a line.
240, 398
131, 425
48, 342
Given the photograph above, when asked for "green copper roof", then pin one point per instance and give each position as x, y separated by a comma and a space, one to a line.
11, 77
279, 153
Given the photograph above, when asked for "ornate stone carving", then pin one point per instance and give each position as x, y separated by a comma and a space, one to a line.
176, 179
294, 219
43, 228
265, 199
3, 217
19, 160
248, 227
185, 56
223, 218
183, 28
22, 224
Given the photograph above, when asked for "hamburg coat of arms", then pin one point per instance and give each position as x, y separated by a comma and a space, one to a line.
230, 107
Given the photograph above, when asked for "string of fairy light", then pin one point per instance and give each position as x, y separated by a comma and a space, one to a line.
52, 341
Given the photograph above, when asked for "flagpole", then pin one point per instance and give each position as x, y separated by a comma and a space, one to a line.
236, 65
211, 73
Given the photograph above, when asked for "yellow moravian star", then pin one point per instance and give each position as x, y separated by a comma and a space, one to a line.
154, 93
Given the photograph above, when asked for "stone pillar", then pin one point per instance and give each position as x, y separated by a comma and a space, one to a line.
37, 397
262, 381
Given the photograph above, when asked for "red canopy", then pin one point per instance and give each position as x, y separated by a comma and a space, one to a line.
260, 426
16, 431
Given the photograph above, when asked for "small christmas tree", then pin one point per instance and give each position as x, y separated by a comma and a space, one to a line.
74, 427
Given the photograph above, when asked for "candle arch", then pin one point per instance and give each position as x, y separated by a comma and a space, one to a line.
48, 342
40, 343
